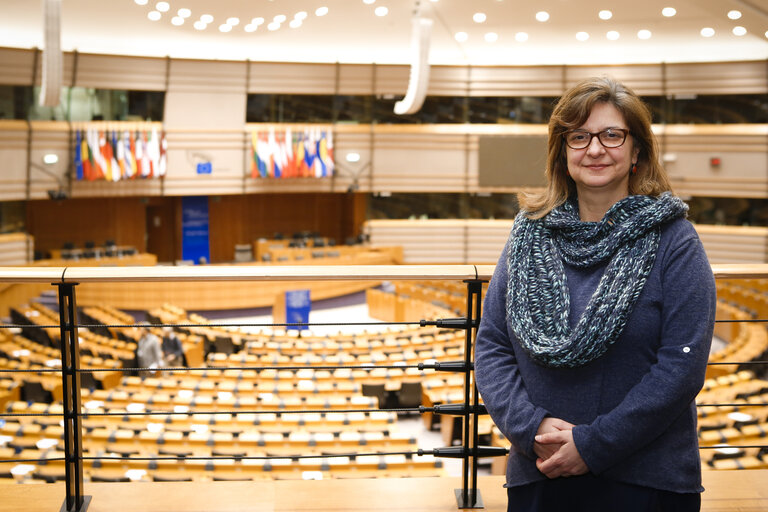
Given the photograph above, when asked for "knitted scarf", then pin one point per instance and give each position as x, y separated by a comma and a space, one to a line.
538, 301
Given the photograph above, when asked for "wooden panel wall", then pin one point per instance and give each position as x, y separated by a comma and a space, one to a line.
52, 223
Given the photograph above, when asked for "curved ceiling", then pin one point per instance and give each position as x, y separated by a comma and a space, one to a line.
352, 32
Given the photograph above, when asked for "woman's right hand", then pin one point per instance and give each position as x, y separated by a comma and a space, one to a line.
549, 424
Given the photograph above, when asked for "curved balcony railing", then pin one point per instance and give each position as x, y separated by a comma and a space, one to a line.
469, 410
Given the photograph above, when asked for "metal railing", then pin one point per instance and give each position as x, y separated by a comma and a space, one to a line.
67, 278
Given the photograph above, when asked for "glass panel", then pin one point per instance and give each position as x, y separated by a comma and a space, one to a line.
718, 109
728, 211
289, 108
526, 109
15, 101
442, 206
12, 216
435, 110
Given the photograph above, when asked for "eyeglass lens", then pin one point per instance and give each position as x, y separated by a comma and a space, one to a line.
610, 138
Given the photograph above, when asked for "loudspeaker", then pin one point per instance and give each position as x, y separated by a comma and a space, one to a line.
50, 90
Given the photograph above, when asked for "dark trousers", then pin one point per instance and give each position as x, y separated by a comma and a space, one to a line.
593, 494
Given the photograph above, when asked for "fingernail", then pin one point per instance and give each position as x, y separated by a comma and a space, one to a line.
538, 439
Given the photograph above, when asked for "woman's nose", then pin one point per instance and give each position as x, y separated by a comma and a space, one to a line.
595, 147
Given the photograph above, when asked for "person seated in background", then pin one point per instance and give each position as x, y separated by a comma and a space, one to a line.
149, 353
173, 351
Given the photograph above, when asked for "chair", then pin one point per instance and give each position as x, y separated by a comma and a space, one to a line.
34, 392
409, 394
378, 391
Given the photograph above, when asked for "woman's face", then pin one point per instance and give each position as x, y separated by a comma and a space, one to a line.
599, 171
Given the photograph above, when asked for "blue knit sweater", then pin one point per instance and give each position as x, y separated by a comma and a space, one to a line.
633, 407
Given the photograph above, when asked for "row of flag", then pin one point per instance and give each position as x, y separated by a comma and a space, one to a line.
115, 155
292, 154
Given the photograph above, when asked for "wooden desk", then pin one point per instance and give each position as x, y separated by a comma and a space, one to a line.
727, 491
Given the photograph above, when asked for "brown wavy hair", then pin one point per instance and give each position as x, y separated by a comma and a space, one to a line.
573, 110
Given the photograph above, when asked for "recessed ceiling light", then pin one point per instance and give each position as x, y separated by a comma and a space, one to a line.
668, 12
184, 13
734, 14
605, 14
177, 20
582, 36
381, 11
521, 37
280, 18
250, 27
707, 32
50, 158
273, 26
491, 37
739, 31
233, 21
479, 17
542, 16
295, 23
225, 27
200, 25
206, 18
162, 6
369, 2
141, 2
301, 15
353, 157
321, 11
461, 36
644, 34
258, 21
154, 15
612, 35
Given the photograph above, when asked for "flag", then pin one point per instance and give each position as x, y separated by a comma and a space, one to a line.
290, 159
301, 162
162, 162
86, 157
119, 155
78, 155
263, 154
130, 168
254, 155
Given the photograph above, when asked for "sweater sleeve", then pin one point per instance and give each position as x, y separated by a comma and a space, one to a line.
496, 371
668, 389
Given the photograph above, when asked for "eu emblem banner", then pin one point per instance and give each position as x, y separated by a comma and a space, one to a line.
297, 306
194, 229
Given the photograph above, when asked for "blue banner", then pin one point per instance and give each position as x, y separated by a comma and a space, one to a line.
194, 229
297, 307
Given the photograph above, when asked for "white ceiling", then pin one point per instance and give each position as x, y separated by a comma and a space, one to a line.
352, 33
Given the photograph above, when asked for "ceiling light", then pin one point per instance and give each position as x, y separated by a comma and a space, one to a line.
643, 34
321, 11
734, 14
233, 21
353, 157
250, 27
280, 18
381, 11
491, 37
141, 2
225, 27
739, 31
521, 37
668, 12
295, 23
184, 13
369, 2
199, 25
257, 21
766, 33
301, 15
154, 15
612, 35
479, 17
273, 26
461, 36
542, 16
162, 6
206, 18
50, 158
177, 20
582, 36
707, 32
605, 15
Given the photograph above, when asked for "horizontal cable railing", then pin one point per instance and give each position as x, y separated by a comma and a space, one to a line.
66, 278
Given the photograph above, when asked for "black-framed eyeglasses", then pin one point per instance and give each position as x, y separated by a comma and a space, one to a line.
609, 138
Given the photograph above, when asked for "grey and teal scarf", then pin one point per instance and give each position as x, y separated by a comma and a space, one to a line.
538, 301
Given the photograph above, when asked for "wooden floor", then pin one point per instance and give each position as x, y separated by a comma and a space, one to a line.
727, 491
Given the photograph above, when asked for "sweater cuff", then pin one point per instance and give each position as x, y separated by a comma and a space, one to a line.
538, 416
583, 440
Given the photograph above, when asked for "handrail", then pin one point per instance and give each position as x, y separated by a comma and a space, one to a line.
56, 275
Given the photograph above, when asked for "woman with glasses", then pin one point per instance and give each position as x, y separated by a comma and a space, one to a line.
598, 320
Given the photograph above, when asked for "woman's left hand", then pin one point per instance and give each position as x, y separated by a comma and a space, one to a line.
566, 461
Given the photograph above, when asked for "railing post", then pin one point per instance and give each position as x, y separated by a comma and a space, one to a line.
469, 495
70, 379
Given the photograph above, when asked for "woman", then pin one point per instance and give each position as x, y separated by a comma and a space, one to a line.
598, 320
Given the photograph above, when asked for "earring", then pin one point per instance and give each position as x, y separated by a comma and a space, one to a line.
634, 169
